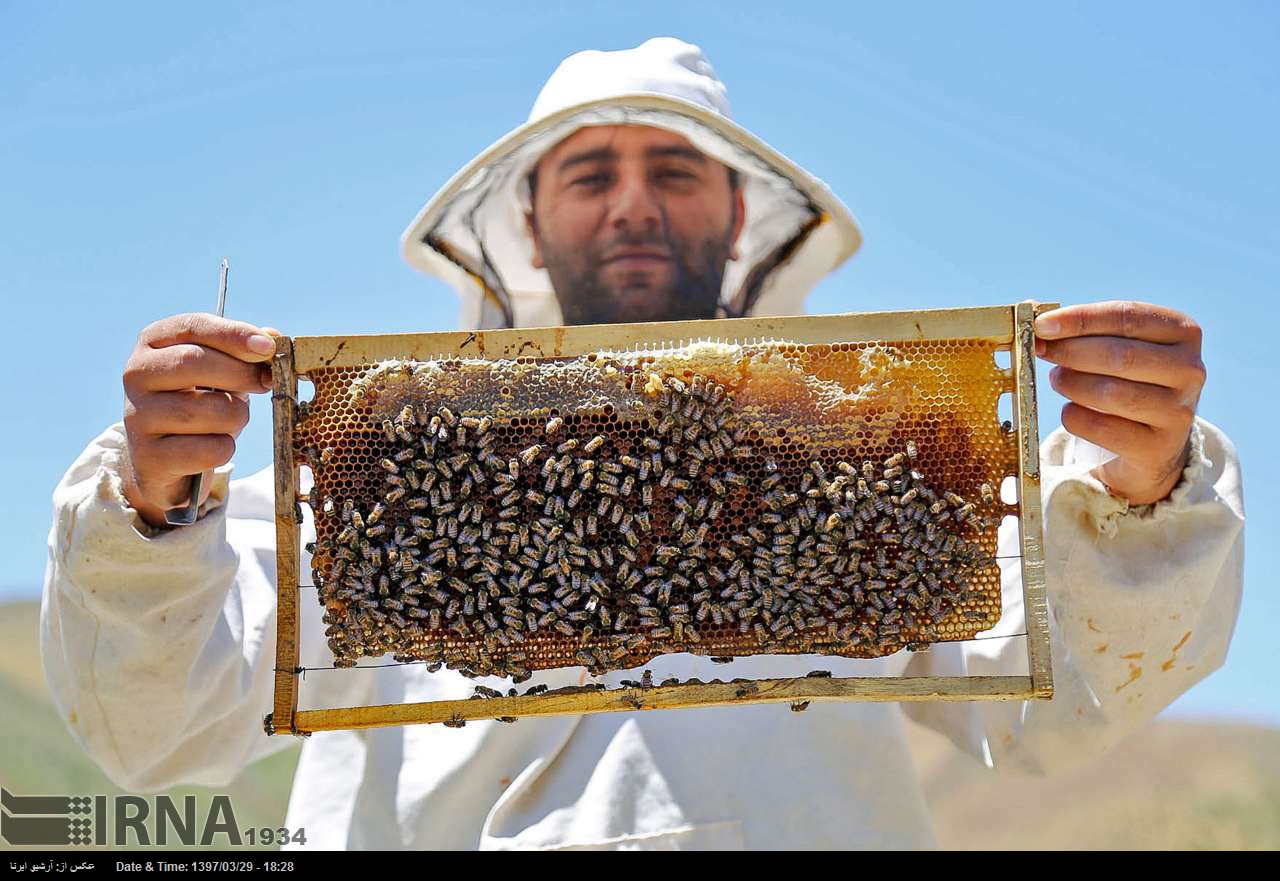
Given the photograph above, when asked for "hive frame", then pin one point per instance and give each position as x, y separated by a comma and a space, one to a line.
1008, 326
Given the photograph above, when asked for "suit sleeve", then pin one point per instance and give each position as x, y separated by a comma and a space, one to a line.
1142, 605
159, 645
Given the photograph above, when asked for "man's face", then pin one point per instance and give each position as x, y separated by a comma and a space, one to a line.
633, 223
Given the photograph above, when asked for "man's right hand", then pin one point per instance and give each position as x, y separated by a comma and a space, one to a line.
186, 399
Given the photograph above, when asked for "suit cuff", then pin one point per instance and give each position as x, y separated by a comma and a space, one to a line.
1108, 511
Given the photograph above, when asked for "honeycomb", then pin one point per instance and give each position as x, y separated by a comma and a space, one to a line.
503, 516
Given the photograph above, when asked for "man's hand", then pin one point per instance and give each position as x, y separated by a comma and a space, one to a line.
186, 388
1133, 374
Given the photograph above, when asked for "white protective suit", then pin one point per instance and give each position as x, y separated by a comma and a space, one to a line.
159, 645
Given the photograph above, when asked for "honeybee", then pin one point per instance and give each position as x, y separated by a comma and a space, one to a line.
628, 533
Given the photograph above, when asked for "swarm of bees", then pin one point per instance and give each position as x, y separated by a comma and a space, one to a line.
480, 554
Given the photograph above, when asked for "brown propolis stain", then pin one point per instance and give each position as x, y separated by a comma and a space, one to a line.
1089, 623
1182, 641
336, 352
72, 717
1102, 648
1134, 672
1133, 656
475, 338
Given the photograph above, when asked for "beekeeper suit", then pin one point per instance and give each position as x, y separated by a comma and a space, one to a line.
159, 645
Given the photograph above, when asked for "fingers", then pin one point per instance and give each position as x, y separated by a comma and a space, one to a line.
188, 366
192, 411
1133, 374
1120, 318
175, 456
1139, 402
1122, 436
187, 387
235, 338
1134, 360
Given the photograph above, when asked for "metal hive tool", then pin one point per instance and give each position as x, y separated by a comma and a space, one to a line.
716, 464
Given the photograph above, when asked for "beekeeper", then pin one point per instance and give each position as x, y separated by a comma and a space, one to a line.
628, 195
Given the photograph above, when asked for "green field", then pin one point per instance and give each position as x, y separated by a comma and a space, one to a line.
1200, 785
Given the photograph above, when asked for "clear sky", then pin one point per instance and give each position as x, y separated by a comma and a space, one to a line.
992, 152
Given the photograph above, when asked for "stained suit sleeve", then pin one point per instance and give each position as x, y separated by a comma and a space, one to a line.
159, 645
1142, 605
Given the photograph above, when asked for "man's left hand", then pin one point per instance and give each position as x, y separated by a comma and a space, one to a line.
1132, 373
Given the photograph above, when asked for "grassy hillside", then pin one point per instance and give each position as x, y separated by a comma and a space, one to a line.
1175, 785
1203, 785
40, 756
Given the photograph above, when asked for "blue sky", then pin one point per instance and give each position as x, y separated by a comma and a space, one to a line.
992, 152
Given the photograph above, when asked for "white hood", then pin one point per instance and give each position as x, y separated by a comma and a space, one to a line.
472, 233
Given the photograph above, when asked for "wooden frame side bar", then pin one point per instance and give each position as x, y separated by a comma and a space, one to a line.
284, 397
687, 695
1030, 513
985, 322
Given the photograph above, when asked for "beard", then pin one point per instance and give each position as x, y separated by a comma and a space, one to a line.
587, 297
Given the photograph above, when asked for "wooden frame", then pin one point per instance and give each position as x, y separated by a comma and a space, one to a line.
1009, 326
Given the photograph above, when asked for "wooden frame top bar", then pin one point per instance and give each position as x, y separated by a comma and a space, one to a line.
982, 322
